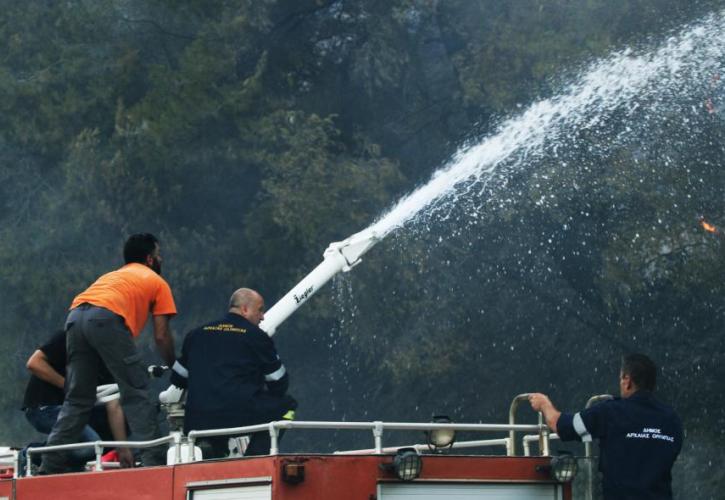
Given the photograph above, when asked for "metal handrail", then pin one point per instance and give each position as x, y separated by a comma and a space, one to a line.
481, 443
377, 428
174, 437
529, 438
587, 445
511, 450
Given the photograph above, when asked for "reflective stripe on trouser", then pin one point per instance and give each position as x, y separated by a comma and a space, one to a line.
95, 336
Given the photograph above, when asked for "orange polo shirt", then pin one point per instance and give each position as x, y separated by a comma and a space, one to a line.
132, 292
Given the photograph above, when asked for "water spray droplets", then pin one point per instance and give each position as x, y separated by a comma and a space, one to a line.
636, 86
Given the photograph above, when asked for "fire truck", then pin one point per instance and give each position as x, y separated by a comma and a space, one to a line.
440, 467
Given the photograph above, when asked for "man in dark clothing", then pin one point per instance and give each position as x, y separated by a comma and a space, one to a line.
233, 375
639, 437
44, 397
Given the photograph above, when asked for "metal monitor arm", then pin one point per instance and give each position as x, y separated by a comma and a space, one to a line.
339, 256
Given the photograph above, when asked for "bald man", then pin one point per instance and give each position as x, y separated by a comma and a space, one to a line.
233, 375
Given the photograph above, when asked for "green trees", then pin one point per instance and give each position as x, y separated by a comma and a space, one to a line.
248, 135
168, 118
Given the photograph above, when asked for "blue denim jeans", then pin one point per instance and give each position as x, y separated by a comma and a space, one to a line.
43, 418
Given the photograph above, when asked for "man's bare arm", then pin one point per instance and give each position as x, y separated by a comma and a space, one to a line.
116, 420
541, 402
164, 340
39, 366
117, 424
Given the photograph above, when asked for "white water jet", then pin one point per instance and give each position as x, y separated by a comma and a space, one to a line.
690, 57
616, 87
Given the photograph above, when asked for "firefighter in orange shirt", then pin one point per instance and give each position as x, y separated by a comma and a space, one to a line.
101, 326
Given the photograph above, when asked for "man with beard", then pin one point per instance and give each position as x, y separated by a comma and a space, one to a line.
101, 326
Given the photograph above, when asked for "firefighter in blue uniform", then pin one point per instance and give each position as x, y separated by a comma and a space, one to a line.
639, 437
233, 375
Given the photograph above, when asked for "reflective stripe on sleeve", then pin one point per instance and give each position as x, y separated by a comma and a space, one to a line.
581, 429
275, 375
180, 369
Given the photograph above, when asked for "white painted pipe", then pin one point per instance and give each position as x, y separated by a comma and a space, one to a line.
330, 266
339, 256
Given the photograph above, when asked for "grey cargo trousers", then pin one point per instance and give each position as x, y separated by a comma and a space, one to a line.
97, 335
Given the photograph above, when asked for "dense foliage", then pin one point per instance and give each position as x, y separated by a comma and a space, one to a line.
248, 135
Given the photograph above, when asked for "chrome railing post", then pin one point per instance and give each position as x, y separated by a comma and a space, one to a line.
28, 463
378, 436
191, 442
16, 463
177, 447
98, 448
511, 449
274, 439
543, 437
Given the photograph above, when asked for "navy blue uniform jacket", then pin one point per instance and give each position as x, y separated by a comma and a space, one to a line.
639, 440
235, 376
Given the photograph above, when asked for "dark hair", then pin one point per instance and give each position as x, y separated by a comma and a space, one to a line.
138, 247
641, 370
